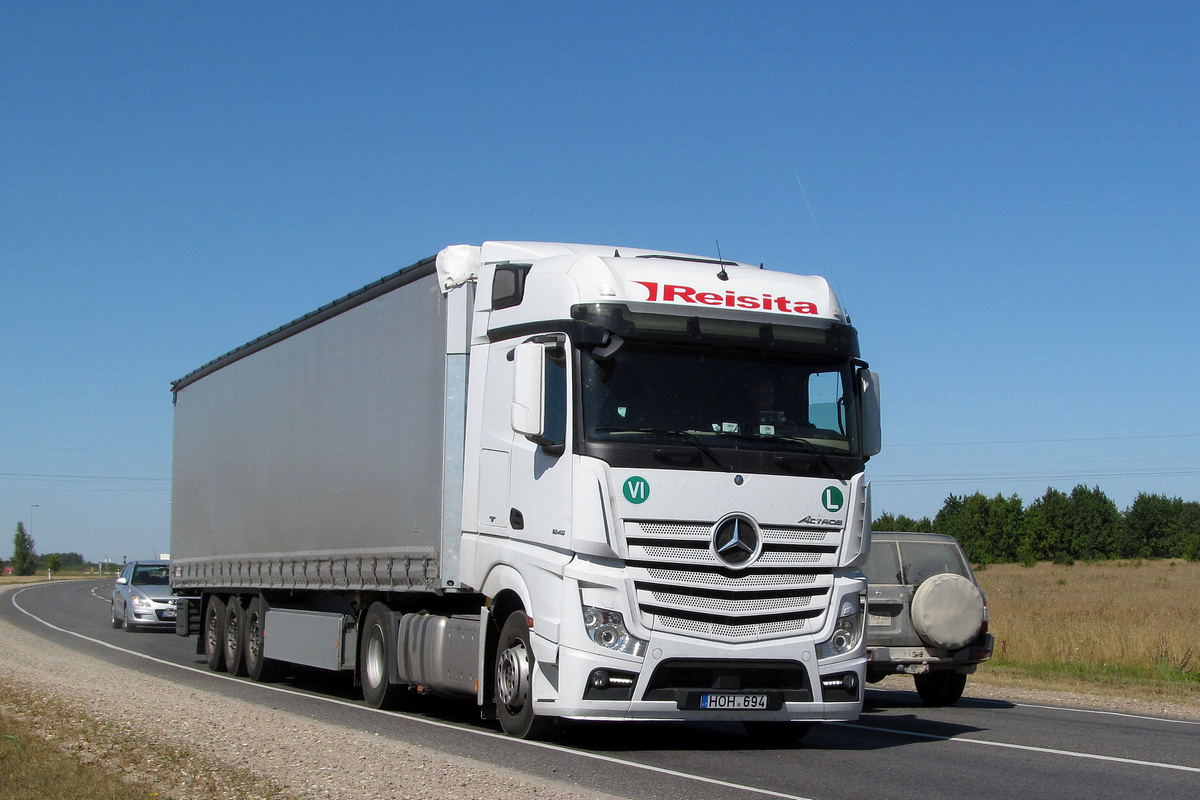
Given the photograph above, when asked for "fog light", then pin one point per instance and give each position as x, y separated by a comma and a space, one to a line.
846, 682
609, 684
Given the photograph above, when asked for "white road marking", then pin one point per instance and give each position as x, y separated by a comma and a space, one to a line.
1026, 747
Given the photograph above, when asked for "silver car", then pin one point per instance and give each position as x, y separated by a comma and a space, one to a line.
142, 597
926, 616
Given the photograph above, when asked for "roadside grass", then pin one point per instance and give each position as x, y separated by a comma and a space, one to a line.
61, 575
1120, 628
52, 750
32, 769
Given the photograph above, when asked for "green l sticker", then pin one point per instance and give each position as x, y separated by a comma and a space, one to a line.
636, 490
832, 498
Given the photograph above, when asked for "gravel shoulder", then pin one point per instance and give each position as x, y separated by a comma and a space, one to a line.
178, 739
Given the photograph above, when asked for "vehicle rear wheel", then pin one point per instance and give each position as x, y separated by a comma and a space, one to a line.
258, 666
376, 649
941, 687
234, 641
514, 682
766, 732
214, 633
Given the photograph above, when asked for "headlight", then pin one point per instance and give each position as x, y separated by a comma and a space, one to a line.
607, 629
847, 631
139, 601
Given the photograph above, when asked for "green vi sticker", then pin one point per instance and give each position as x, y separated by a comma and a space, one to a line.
637, 490
831, 498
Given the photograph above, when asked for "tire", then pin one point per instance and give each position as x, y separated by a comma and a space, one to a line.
258, 666
214, 633
940, 687
376, 649
768, 732
127, 623
514, 682
234, 640
117, 622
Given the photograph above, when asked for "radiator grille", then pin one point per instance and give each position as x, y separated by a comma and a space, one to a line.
680, 582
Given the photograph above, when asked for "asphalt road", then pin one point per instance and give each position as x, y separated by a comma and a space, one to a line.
898, 749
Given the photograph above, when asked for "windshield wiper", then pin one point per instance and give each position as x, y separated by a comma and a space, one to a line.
813, 450
688, 437
808, 446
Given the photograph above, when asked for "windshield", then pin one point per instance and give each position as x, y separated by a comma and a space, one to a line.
151, 575
719, 398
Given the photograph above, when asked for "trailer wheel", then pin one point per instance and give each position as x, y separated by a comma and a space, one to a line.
514, 682
234, 642
941, 687
214, 633
376, 649
259, 667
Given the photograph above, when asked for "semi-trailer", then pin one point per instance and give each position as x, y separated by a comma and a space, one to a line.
565, 481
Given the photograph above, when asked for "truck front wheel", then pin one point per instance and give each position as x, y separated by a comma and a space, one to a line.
514, 682
214, 633
376, 649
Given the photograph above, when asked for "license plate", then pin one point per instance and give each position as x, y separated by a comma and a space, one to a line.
732, 702
879, 620
168, 613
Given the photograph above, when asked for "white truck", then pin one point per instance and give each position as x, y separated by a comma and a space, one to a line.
567, 481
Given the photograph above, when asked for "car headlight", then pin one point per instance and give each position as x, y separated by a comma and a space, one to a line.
139, 601
847, 631
607, 629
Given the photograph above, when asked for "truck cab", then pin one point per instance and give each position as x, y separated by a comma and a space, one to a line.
664, 474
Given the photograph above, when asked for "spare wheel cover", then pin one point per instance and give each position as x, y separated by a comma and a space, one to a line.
947, 611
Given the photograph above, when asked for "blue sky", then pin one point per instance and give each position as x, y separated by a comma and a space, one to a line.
1005, 195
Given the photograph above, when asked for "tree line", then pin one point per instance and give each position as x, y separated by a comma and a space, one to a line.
26, 561
1084, 525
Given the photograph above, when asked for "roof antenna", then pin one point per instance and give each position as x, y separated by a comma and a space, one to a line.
723, 275
616, 253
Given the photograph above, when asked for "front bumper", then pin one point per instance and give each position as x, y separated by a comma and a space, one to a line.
160, 614
677, 673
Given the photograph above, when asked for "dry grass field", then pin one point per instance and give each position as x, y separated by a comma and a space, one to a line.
1112, 625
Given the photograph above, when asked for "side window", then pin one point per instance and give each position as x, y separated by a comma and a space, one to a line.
508, 285
824, 408
555, 419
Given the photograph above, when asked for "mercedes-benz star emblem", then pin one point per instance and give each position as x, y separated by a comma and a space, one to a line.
736, 541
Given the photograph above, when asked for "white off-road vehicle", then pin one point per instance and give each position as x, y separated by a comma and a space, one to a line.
926, 616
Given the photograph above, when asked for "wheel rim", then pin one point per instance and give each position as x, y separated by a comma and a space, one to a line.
254, 646
231, 635
376, 662
512, 676
214, 642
